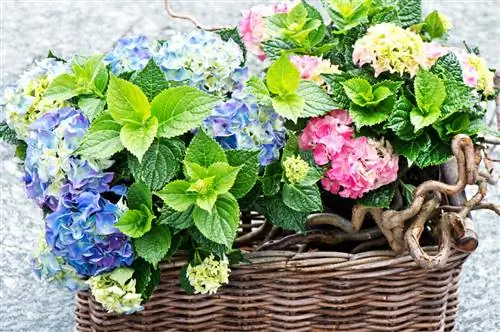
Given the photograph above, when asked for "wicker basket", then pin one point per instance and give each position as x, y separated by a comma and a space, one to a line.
286, 291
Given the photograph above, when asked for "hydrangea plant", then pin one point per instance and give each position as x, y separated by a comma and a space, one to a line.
160, 146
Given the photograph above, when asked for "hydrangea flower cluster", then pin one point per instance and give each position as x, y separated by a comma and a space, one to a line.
476, 72
387, 47
52, 268
296, 169
208, 277
203, 60
23, 103
240, 123
357, 165
253, 25
116, 291
130, 54
312, 67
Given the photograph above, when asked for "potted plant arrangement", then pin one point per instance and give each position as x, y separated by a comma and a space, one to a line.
183, 190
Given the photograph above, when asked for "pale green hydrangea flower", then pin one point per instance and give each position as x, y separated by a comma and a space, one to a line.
116, 291
296, 169
207, 277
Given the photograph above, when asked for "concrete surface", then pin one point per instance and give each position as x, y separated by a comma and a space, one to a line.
30, 28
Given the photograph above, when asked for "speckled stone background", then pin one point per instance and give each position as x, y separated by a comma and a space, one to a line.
30, 28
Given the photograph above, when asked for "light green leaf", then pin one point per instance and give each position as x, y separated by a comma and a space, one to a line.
302, 198
225, 176
91, 106
222, 224
358, 90
204, 150
137, 195
154, 245
247, 176
121, 275
282, 216
347, 14
434, 25
135, 223
194, 172
419, 120
102, 140
176, 195
289, 106
317, 101
206, 201
137, 138
363, 116
257, 88
95, 74
282, 76
63, 87
271, 180
126, 102
430, 93
181, 109
380, 197
151, 80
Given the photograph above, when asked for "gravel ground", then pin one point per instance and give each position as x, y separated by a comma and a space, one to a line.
30, 28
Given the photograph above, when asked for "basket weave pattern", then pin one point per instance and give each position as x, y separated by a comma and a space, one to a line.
286, 291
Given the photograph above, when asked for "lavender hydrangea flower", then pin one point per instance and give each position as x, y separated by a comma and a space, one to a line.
23, 102
129, 54
240, 123
203, 60
81, 231
51, 268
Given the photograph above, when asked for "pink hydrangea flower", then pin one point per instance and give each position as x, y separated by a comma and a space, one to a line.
253, 25
312, 67
434, 51
357, 165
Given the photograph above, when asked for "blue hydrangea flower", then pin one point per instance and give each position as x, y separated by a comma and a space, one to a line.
240, 123
129, 54
51, 268
203, 60
81, 231
23, 103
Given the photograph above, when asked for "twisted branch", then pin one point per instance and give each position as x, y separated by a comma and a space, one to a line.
191, 19
331, 219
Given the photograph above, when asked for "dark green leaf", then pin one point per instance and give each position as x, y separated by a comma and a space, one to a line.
438, 153
178, 221
151, 80
184, 282
410, 12
153, 245
204, 150
147, 278
247, 176
6, 134
207, 245
408, 192
380, 197
275, 47
448, 67
282, 216
337, 92
271, 180
399, 120
135, 223
138, 194
302, 198
411, 149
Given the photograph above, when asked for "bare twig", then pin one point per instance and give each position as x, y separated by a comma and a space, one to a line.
482, 206
492, 140
191, 19
331, 219
464, 232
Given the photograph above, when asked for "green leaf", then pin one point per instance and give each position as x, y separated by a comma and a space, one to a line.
448, 67
408, 192
184, 281
458, 98
291, 148
137, 195
248, 161
204, 150
225, 176
91, 106
363, 116
151, 80
282, 216
434, 25
160, 164
126, 102
63, 87
317, 101
410, 12
102, 140
380, 197
233, 34
399, 119
257, 88
206, 201
358, 90
154, 245
181, 109
137, 138
177, 220
430, 91
411, 149
347, 14
194, 172
176, 195
7, 134
337, 92
302, 198
135, 223
271, 180
207, 245
94, 75
21, 148
222, 224
282, 76
289, 106
274, 48
438, 153
147, 278
419, 120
